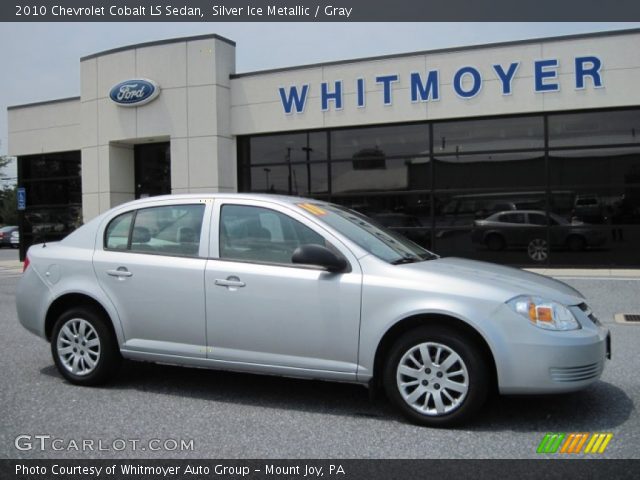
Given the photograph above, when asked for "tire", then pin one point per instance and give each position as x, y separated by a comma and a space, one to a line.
576, 243
433, 404
84, 348
495, 242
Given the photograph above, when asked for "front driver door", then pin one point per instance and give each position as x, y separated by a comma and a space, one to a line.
264, 310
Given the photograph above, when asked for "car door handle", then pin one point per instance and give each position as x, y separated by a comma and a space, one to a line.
229, 282
120, 272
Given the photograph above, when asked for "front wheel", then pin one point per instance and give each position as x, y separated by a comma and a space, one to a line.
436, 376
84, 348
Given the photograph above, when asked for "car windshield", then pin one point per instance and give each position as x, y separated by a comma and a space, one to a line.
369, 235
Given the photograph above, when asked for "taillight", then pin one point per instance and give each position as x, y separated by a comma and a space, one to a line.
26, 264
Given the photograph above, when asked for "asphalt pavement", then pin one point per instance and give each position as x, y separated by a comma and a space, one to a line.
230, 415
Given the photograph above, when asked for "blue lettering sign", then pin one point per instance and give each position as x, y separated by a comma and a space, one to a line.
423, 92
425, 86
475, 86
360, 92
294, 99
336, 95
506, 77
542, 72
588, 67
386, 81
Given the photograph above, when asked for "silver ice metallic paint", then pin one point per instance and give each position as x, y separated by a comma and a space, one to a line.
299, 321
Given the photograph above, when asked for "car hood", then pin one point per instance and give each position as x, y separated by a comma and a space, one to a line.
489, 280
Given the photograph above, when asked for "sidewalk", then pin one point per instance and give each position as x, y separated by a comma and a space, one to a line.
10, 266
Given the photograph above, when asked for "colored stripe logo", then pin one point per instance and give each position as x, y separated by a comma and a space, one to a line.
581, 442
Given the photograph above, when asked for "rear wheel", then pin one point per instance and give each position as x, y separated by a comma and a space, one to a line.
436, 376
84, 348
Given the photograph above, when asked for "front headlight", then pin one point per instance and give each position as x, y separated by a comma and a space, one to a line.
544, 313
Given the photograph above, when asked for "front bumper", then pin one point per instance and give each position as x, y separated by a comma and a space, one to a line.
530, 360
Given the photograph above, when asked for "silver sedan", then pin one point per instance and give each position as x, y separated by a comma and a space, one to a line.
298, 287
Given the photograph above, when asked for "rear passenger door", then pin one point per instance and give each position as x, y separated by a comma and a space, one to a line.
150, 262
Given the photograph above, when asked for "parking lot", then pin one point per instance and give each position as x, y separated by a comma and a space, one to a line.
229, 415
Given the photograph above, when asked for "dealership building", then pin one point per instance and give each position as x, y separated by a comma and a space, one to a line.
524, 153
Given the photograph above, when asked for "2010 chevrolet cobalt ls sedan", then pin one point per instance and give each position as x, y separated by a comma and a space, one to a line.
298, 287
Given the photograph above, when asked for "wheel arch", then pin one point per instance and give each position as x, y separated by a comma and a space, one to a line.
70, 300
448, 321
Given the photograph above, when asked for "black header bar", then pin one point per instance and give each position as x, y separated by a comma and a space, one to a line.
338, 469
316, 11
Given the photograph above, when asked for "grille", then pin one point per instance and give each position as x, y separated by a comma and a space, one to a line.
575, 374
632, 318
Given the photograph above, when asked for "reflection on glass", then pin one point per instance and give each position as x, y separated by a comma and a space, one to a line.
297, 147
524, 169
595, 166
65, 164
458, 210
594, 128
408, 214
387, 175
488, 135
53, 192
391, 141
294, 179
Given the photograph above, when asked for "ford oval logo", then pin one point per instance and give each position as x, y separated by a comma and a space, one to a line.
133, 93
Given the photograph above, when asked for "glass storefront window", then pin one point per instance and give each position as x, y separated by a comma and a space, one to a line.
490, 170
594, 128
488, 135
613, 166
294, 148
54, 192
50, 165
376, 142
491, 189
388, 175
53, 189
295, 179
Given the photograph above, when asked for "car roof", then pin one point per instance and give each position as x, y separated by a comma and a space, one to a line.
285, 199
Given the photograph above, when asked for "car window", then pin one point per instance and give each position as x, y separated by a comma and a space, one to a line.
170, 230
117, 234
512, 218
537, 219
262, 235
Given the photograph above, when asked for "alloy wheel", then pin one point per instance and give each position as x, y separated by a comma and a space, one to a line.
537, 250
78, 346
432, 379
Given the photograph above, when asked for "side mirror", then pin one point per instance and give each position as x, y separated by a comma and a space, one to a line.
319, 256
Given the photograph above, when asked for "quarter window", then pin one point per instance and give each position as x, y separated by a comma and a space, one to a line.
117, 236
262, 235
